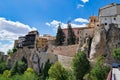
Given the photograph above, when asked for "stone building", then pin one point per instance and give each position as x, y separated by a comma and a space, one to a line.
29, 40
50, 39
110, 14
85, 31
42, 42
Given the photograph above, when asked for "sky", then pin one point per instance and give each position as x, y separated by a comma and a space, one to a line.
18, 17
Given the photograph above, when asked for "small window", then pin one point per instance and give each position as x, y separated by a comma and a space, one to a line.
98, 25
114, 18
86, 33
105, 23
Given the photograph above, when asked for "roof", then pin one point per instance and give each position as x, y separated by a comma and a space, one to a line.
110, 5
81, 28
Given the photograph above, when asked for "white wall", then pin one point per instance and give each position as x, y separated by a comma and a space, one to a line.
108, 11
118, 20
107, 16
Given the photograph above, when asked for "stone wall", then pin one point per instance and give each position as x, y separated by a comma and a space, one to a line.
64, 53
65, 60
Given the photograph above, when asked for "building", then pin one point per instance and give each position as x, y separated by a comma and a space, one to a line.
93, 21
20, 41
29, 40
42, 42
83, 32
110, 14
1, 53
50, 39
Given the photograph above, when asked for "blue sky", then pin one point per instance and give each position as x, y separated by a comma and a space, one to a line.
17, 17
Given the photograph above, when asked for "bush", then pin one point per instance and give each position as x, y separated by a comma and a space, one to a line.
99, 71
116, 54
3, 66
45, 70
58, 72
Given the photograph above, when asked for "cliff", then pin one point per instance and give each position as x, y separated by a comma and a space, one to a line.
104, 42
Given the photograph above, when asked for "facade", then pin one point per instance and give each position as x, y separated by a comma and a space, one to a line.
93, 22
110, 14
29, 40
76, 32
42, 42
20, 41
50, 39
85, 31
1, 53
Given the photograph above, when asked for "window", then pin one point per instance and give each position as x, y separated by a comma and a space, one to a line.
98, 25
105, 23
114, 18
86, 33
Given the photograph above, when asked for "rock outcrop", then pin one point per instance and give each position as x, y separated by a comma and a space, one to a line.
104, 42
98, 44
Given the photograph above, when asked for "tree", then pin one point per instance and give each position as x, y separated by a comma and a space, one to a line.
57, 72
18, 68
71, 36
99, 71
9, 52
14, 50
3, 66
24, 60
116, 54
45, 70
60, 37
80, 65
14, 69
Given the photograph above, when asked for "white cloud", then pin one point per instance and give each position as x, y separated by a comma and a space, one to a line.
81, 20
54, 24
79, 6
84, 1
10, 30
6, 47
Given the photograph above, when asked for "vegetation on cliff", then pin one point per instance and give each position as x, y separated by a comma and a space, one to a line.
80, 65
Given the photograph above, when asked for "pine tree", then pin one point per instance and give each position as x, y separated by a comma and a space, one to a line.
80, 65
60, 37
71, 36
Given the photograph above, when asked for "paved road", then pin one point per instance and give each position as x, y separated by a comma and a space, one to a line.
115, 74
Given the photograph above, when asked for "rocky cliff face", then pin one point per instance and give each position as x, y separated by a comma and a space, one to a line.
36, 59
98, 44
104, 42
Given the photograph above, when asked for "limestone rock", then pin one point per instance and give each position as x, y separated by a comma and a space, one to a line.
98, 44
104, 42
